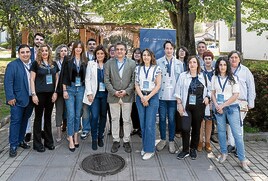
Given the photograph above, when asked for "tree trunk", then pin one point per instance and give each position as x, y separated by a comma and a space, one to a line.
13, 42
183, 22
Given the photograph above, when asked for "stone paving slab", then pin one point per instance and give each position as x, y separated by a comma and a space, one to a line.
61, 164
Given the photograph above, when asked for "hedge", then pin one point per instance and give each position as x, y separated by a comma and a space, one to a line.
258, 117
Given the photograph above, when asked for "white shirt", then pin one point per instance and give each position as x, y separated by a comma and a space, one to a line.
229, 89
141, 79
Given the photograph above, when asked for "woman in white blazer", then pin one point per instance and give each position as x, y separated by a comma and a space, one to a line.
96, 95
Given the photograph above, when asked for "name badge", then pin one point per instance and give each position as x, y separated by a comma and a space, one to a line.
192, 99
220, 98
77, 81
145, 85
101, 86
169, 83
49, 79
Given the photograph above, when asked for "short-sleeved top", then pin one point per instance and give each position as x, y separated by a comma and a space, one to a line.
229, 89
41, 75
146, 83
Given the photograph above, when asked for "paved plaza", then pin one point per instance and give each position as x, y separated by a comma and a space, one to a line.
61, 164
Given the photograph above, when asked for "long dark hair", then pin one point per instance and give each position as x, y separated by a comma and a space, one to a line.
153, 60
229, 72
83, 55
100, 47
186, 53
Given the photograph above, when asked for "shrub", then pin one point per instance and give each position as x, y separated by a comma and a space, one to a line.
258, 117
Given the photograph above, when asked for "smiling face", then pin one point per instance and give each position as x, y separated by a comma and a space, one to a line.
24, 54
112, 52
208, 61
78, 49
234, 60
38, 40
169, 50
146, 57
120, 51
44, 53
182, 53
100, 55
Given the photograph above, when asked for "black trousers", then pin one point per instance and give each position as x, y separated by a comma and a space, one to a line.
45, 105
193, 120
135, 117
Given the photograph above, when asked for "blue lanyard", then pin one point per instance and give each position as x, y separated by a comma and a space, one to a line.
236, 69
222, 87
146, 72
77, 66
209, 74
47, 66
119, 68
169, 64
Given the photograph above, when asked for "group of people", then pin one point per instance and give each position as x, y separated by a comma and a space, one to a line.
88, 84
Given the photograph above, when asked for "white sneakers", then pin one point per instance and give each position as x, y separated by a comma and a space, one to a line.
147, 156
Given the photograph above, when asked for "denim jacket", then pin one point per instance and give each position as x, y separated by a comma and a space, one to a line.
182, 87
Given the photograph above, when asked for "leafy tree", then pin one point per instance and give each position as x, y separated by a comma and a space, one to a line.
182, 14
39, 15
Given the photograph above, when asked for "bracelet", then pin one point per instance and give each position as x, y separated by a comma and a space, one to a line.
33, 94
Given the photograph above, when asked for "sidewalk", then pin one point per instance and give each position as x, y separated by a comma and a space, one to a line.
61, 164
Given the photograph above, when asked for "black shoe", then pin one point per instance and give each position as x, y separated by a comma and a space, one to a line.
193, 154
230, 149
115, 147
127, 147
100, 143
94, 145
135, 131
182, 155
41, 149
27, 137
76, 145
72, 149
13, 152
24, 145
214, 138
52, 147
121, 132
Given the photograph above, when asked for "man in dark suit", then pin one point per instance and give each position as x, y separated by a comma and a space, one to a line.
17, 90
119, 80
39, 39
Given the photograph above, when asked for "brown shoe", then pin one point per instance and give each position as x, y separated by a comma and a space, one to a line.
208, 148
200, 146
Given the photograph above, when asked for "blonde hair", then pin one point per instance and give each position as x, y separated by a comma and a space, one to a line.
39, 55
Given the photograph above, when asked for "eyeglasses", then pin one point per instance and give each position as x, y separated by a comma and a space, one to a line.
120, 49
92, 44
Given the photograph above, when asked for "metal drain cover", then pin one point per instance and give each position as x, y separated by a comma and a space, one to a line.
103, 164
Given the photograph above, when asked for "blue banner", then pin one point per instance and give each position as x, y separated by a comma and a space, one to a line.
155, 38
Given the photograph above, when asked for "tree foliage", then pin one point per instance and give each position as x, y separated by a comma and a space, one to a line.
38, 15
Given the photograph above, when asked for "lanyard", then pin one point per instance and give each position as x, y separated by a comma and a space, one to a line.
101, 73
59, 64
222, 87
26, 66
77, 67
119, 68
169, 64
209, 74
236, 69
47, 66
146, 72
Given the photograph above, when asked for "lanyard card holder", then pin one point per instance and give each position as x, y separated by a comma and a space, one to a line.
101, 86
49, 79
145, 85
192, 99
77, 81
220, 98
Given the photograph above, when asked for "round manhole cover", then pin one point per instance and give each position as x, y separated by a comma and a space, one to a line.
103, 164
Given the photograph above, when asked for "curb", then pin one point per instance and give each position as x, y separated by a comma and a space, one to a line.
4, 121
261, 136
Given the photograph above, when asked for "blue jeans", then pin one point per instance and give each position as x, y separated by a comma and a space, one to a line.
86, 118
99, 115
147, 117
74, 108
232, 113
18, 122
167, 108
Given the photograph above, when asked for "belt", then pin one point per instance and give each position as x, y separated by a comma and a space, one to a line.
146, 92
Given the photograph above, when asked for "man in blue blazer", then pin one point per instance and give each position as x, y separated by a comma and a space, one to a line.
18, 96
39, 39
